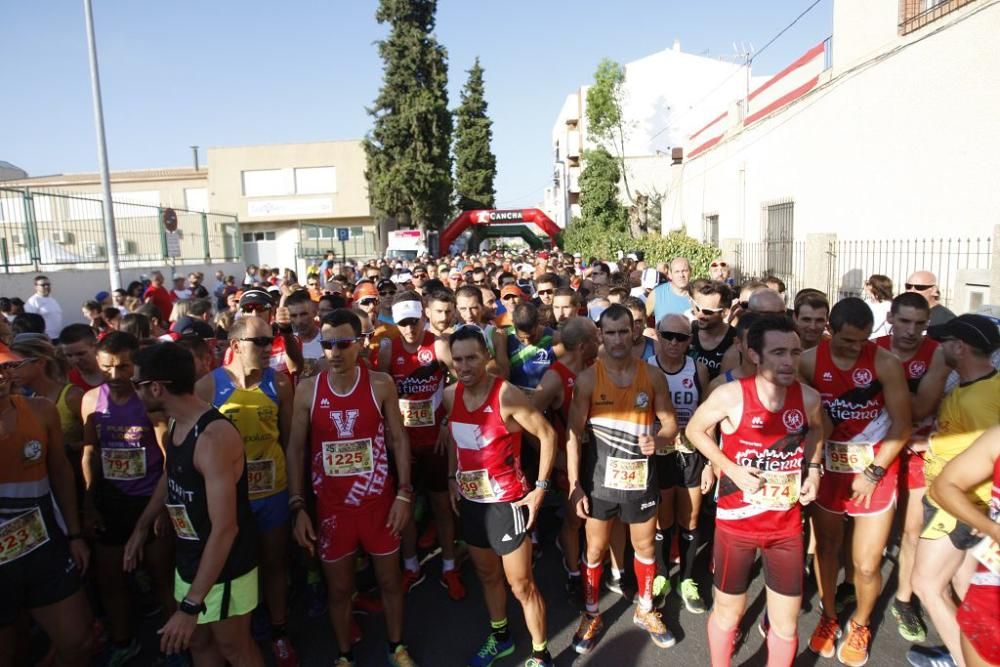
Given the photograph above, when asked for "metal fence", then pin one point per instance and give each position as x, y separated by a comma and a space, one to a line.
45, 229
757, 260
315, 240
852, 262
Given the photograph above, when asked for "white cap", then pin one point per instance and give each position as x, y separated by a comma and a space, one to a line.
634, 257
650, 278
525, 268
401, 278
405, 310
595, 310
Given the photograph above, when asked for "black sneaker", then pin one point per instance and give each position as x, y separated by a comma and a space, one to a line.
911, 626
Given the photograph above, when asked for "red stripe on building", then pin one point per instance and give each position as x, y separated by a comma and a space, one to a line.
710, 124
785, 99
705, 146
804, 59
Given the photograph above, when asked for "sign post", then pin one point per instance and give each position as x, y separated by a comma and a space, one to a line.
343, 233
170, 225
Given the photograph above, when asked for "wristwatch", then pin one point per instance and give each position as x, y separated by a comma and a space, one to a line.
878, 472
543, 484
190, 608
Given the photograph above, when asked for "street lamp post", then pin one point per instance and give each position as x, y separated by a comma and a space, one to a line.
114, 272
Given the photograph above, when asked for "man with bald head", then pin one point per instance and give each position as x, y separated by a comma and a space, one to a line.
925, 284
763, 301
673, 296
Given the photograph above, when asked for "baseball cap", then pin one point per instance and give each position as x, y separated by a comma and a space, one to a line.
403, 277
363, 290
101, 296
978, 331
386, 283
511, 289
256, 296
650, 278
189, 326
525, 268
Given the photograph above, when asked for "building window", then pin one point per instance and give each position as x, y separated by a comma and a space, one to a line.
268, 183
318, 233
253, 237
710, 229
315, 180
356, 232
196, 199
779, 232
915, 14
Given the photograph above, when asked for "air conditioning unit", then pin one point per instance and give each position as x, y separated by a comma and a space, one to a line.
93, 250
62, 237
127, 247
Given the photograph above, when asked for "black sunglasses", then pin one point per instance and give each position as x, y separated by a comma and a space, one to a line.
368, 301
916, 287
545, 292
674, 336
508, 297
339, 343
260, 341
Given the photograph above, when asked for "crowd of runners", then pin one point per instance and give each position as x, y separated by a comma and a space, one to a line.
199, 452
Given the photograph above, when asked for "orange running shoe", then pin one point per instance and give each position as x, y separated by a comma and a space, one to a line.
853, 651
825, 636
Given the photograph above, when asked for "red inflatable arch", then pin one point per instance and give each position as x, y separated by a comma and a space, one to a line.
495, 217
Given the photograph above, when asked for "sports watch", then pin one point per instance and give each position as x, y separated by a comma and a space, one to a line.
192, 609
543, 484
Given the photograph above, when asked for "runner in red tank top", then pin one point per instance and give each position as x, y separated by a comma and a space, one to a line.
417, 361
490, 493
979, 615
346, 415
926, 373
865, 397
552, 398
768, 466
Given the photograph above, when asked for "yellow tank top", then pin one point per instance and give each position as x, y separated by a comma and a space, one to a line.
72, 425
254, 413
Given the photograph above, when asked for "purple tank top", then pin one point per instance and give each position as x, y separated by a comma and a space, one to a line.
131, 459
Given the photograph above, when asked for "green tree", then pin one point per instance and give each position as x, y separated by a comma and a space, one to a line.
606, 121
599, 203
475, 164
408, 148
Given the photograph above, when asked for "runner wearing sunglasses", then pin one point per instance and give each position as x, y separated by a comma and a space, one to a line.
345, 420
257, 399
710, 302
286, 350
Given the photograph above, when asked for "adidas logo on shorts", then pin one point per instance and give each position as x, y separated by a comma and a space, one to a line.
506, 538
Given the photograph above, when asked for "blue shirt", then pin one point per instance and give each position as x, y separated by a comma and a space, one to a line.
668, 302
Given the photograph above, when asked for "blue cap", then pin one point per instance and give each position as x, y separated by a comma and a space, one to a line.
101, 296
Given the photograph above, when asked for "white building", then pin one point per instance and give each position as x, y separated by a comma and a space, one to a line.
887, 134
667, 95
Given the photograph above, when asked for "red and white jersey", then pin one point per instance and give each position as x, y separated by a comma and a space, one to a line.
772, 443
489, 454
420, 379
350, 466
987, 551
853, 398
560, 418
915, 368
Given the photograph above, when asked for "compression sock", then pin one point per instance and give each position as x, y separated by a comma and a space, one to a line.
780, 651
541, 652
664, 552
500, 629
690, 540
720, 643
447, 564
592, 586
645, 572
411, 564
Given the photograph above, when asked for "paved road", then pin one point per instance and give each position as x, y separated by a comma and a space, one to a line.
442, 633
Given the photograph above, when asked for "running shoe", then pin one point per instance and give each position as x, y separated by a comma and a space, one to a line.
412, 579
651, 622
491, 650
538, 662
853, 649
586, 635
691, 597
121, 655
614, 584
929, 656
452, 581
824, 638
401, 658
911, 626
661, 589
845, 596
284, 653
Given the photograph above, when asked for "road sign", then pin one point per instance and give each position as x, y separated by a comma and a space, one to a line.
170, 219
343, 233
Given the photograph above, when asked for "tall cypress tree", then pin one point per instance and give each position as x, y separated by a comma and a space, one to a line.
475, 164
408, 148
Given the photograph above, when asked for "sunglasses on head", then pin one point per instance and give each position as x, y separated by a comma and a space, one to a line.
674, 336
911, 287
259, 341
339, 343
408, 322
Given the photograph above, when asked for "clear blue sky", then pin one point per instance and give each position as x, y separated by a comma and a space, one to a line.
231, 72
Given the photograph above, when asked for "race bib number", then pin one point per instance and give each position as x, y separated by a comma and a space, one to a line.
626, 474
987, 552
848, 456
22, 535
475, 485
779, 490
345, 458
182, 522
260, 476
124, 464
417, 413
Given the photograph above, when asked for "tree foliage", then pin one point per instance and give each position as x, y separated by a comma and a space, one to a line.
599, 203
408, 148
606, 122
475, 164
590, 241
